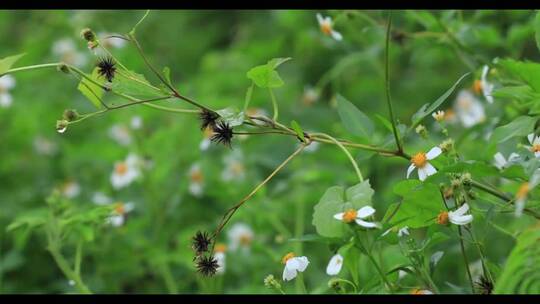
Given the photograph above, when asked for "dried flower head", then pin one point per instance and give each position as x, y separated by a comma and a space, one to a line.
207, 265
200, 242
484, 285
223, 133
106, 68
208, 119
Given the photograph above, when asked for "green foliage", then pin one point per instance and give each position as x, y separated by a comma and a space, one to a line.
266, 76
8, 62
353, 120
91, 88
521, 126
420, 203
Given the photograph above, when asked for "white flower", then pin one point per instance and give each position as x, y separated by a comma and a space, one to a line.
459, 217
66, 50
501, 162
44, 146
99, 198
240, 235
326, 25
125, 172
7, 82
535, 144
219, 255
70, 189
118, 216
335, 264
136, 122
234, 167
206, 142
438, 116
358, 216
487, 87
421, 292
293, 265
120, 134
403, 231
469, 109
196, 180
420, 161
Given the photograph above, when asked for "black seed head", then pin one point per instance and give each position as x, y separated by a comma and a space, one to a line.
106, 68
200, 242
208, 119
207, 265
484, 285
223, 133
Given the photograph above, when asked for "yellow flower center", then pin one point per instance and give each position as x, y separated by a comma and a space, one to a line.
196, 176
417, 291
326, 28
477, 86
419, 159
442, 218
220, 248
120, 208
535, 148
208, 132
287, 257
121, 168
349, 215
245, 239
522, 191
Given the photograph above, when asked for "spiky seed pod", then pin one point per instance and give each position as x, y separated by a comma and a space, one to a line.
208, 119
223, 133
200, 242
484, 285
207, 265
106, 67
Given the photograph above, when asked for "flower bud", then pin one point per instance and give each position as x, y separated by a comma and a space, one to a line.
71, 114
271, 282
336, 285
447, 145
88, 35
61, 125
62, 67
422, 131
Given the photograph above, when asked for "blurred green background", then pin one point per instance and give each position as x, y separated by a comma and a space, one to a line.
209, 53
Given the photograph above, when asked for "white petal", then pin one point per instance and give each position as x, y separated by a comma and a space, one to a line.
410, 170
520, 205
320, 18
422, 173
334, 266
434, 152
537, 154
366, 224
530, 137
336, 35
513, 157
461, 210
293, 263
429, 169
302, 263
403, 231
484, 73
536, 140
288, 274
339, 216
5, 100
365, 212
500, 161
7, 82
461, 220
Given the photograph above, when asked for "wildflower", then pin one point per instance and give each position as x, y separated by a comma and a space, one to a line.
438, 116
196, 180
240, 235
125, 172
223, 133
234, 167
66, 50
535, 144
420, 161
442, 218
357, 215
501, 162
44, 146
459, 217
335, 264
61, 126
207, 265
136, 122
200, 242
484, 285
403, 231
219, 254
293, 265
70, 189
208, 119
417, 291
7, 82
327, 27
106, 68
469, 109
120, 134
119, 214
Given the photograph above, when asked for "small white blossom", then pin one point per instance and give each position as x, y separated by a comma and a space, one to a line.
70, 189
358, 216
535, 144
403, 231
196, 180
469, 109
327, 27
438, 116
293, 265
335, 264
501, 162
118, 216
7, 82
487, 87
240, 235
459, 217
420, 162
234, 167
125, 172
120, 134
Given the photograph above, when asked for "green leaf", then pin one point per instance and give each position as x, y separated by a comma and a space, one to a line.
265, 76
167, 74
32, 218
335, 200
8, 62
521, 273
421, 203
521, 126
425, 110
528, 72
135, 85
354, 120
537, 29
232, 116
92, 91
299, 132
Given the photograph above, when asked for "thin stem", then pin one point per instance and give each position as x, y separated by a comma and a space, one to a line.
274, 104
66, 269
353, 162
387, 84
465, 259
32, 67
